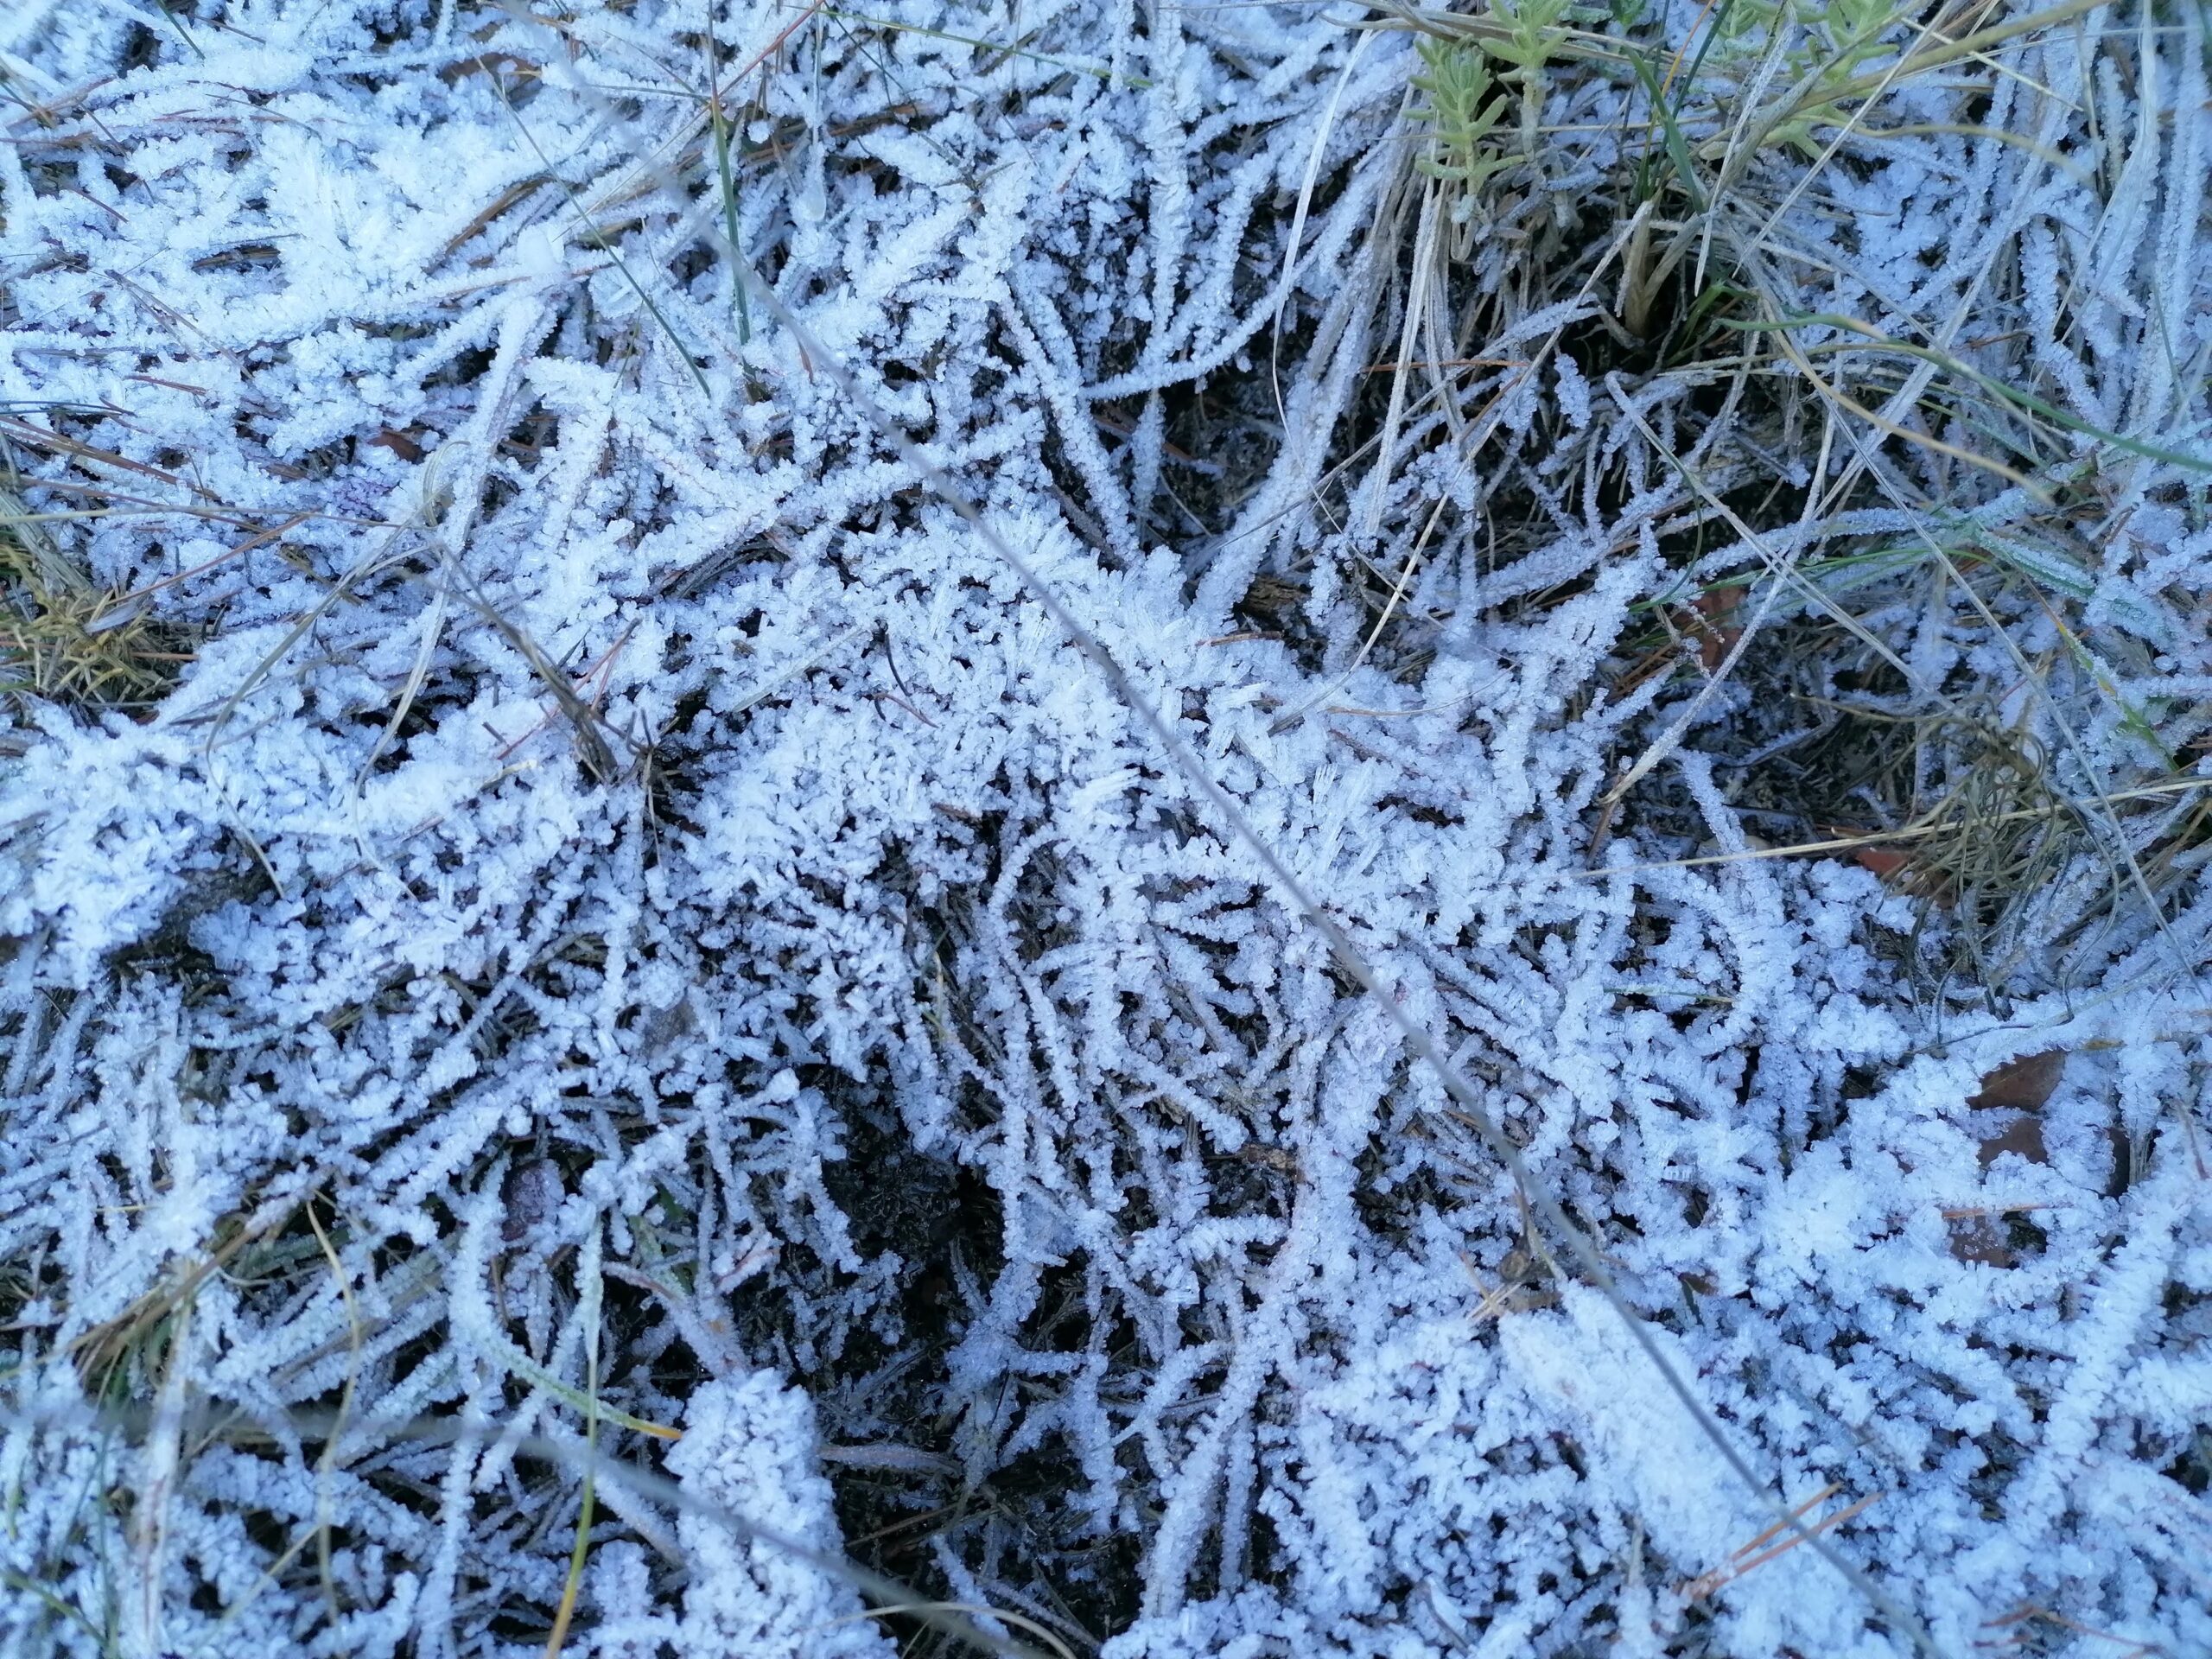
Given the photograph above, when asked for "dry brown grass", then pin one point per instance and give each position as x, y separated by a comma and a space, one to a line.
64, 640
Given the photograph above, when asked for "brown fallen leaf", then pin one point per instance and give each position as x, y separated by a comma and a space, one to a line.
1906, 874
1885, 861
2023, 1084
2018, 1088
1714, 624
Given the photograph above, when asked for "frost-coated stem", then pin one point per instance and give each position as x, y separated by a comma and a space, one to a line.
1580, 1245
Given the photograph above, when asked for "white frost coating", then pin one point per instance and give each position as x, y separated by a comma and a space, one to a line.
881, 1039
748, 1445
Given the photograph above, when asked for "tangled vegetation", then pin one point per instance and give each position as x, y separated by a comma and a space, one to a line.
675, 671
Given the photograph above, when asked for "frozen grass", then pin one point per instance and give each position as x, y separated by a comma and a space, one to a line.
616, 1045
1793, 369
63, 643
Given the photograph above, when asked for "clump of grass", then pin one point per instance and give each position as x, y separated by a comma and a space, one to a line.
1981, 827
64, 640
1668, 184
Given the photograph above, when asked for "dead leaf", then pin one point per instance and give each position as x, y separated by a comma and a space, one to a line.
1902, 871
1884, 862
2023, 1084
2018, 1088
1715, 626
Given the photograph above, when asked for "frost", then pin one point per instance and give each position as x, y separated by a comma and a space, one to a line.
749, 1447
630, 920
